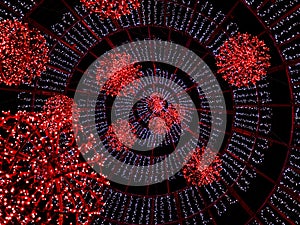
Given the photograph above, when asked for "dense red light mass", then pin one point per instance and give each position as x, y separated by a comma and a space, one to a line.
160, 109
23, 53
111, 8
171, 116
196, 173
120, 72
158, 125
156, 103
42, 178
59, 105
243, 60
120, 135
58, 112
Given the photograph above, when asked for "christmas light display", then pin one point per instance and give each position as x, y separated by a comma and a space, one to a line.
248, 141
43, 179
111, 8
23, 53
120, 72
195, 171
156, 114
243, 60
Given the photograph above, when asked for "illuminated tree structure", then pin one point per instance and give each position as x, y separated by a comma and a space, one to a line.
42, 178
111, 8
119, 71
197, 173
243, 60
120, 135
23, 53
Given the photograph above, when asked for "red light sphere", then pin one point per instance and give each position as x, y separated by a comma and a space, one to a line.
58, 110
158, 125
42, 178
120, 72
156, 103
120, 135
243, 60
196, 173
23, 53
111, 8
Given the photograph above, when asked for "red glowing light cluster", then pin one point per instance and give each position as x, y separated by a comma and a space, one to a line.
196, 173
23, 53
58, 112
171, 116
243, 60
59, 107
156, 103
121, 135
113, 9
159, 108
158, 125
42, 178
120, 72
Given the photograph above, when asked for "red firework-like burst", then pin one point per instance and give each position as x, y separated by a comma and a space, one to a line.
42, 178
120, 135
197, 173
23, 53
111, 8
120, 72
243, 60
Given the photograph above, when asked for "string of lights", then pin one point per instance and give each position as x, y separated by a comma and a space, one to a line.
111, 9
21, 7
